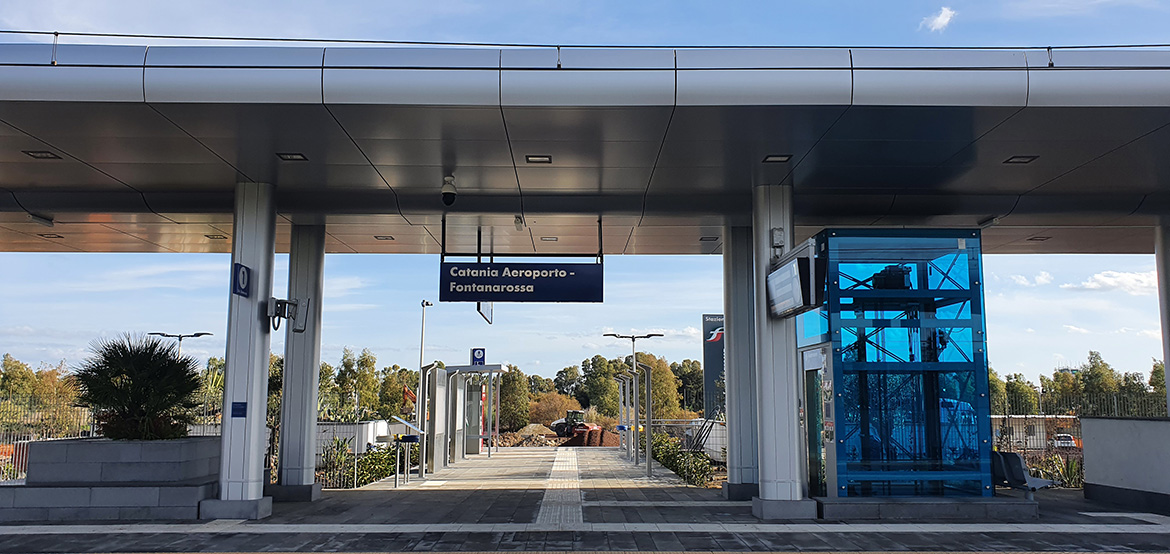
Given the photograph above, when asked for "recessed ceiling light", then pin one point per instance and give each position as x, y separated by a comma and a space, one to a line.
708, 239
292, 157
383, 237
1020, 159
538, 159
41, 154
1038, 239
50, 236
548, 239
777, 158
216, 237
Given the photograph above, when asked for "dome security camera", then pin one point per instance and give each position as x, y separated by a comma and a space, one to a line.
448, 191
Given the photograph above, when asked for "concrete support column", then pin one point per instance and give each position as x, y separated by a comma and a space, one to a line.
302, 362
782, 488
1162, 261
739, 339
241, 477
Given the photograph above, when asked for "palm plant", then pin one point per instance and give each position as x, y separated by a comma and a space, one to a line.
139, 388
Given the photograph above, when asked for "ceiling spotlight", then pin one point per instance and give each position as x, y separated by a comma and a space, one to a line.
383, 237
777, 158
1038, 239
41, 154
216, 237
548, 239
292, 157
519, 223
46, 221
1020, 159
708, 239
538, 158
50, 236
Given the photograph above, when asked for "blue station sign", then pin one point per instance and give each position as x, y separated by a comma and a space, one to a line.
501, 282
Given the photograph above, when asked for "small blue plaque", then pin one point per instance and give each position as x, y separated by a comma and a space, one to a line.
241, 280
239, 409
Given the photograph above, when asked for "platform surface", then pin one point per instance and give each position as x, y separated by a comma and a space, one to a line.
584, 499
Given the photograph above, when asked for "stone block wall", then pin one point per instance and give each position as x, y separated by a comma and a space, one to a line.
91, 479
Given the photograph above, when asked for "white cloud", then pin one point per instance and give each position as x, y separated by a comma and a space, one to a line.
938, 22
1075, 329
341, 286
1042, 278
1151, 333
1135, 283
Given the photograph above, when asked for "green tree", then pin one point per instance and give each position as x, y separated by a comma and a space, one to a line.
690, 383
17, 378
1158, 377
513, 399
568, 380
275, 390
663, 387
538, 385
1133, 384
357, 377
998, 392
328, 393
1021, 394
599, 385
1098, 376
392, 400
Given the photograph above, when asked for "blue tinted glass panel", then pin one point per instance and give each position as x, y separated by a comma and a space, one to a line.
906, 324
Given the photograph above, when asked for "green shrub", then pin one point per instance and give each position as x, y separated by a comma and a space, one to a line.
693, 467
139, 388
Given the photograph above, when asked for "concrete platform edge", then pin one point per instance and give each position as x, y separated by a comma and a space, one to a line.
235, 509
771, 510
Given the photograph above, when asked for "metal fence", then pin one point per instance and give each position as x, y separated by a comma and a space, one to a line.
24, 420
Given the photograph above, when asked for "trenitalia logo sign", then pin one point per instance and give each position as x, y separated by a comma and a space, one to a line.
500, 282
712, 363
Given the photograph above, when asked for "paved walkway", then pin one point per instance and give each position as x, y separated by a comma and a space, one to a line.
584, 499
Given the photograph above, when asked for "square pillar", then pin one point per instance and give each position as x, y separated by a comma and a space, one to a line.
302, 362
781, 449
245, 398
1162, 261
739, 339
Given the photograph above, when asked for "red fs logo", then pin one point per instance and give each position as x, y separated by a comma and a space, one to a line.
716, 335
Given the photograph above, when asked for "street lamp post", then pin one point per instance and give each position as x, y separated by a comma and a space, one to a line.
179, 336
649, 409
420, 405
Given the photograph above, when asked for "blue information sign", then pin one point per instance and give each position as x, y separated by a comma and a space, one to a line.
239, 409
478, 357
500, 282
241, 280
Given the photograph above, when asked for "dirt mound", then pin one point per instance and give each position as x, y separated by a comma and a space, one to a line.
516, 439
535, 429
593, 438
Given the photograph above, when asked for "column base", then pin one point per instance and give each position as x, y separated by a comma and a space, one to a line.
214, 508
769, 510
740, 491
294, 493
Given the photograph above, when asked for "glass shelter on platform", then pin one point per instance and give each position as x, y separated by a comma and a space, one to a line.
895, 366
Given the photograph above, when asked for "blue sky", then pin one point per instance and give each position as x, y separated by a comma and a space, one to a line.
1042, 310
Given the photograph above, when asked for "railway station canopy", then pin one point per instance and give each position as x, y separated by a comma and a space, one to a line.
110, 148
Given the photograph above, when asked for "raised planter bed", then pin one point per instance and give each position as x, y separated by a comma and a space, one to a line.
80, 479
